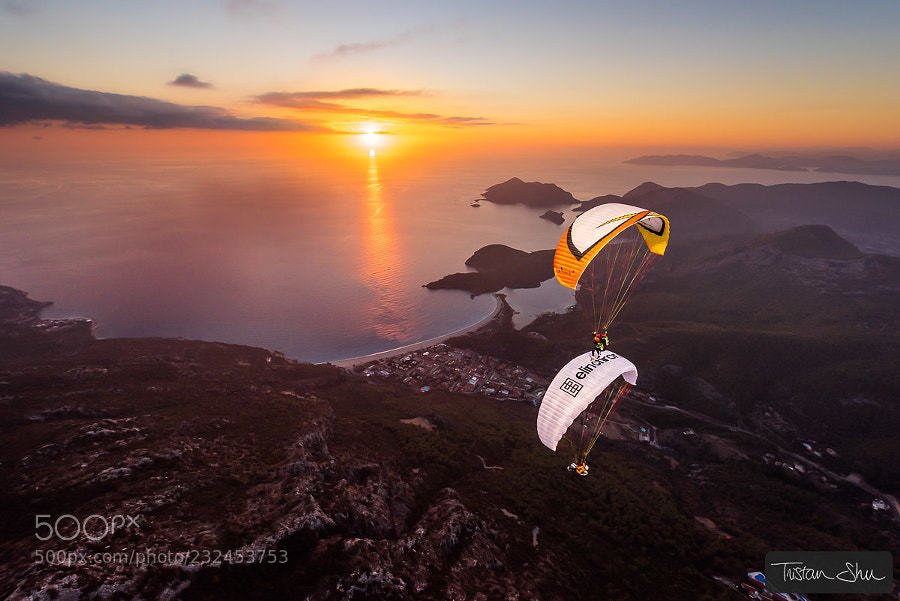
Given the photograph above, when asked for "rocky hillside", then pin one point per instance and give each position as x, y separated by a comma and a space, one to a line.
251, 476
220, 452
861, 213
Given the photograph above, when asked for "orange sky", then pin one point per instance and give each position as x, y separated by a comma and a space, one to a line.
465, 77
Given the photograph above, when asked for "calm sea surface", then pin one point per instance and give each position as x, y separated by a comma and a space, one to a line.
318, 263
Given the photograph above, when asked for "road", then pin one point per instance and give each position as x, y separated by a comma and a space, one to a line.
853, 479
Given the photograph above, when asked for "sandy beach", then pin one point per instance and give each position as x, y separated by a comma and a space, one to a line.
400, 350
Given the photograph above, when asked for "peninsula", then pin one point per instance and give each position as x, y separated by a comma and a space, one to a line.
498, 266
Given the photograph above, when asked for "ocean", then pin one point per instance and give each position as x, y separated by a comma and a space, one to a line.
316, 262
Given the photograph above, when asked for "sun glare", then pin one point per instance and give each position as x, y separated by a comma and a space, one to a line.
372, 137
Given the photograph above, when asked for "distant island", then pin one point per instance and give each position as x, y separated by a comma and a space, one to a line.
532, 194
554, 217
752, 161
499, 267
820, 164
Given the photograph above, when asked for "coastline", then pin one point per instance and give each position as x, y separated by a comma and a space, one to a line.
353, 362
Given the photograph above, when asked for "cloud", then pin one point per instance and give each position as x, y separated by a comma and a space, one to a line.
296, 99
345, 50
188, 80
467, 121
26, 99
312, 101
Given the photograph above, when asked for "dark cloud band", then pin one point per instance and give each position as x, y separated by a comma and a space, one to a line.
25, 99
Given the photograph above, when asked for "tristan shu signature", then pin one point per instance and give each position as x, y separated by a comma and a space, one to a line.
797, 571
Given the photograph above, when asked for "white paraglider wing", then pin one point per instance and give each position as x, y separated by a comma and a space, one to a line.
574, 387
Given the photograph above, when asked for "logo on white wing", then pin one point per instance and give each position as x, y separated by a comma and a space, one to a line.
571, 387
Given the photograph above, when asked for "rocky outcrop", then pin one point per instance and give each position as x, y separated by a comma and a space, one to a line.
553, 217
23, 333
17, 308
449, 552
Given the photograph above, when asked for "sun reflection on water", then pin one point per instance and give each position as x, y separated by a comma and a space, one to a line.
391, 313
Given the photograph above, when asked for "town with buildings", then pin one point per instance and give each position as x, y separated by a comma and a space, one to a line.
442, 367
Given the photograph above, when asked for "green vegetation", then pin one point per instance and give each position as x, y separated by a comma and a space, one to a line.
628, 530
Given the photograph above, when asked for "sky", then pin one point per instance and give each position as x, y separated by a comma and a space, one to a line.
714, 74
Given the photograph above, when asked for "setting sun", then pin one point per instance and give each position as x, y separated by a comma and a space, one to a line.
372, 137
